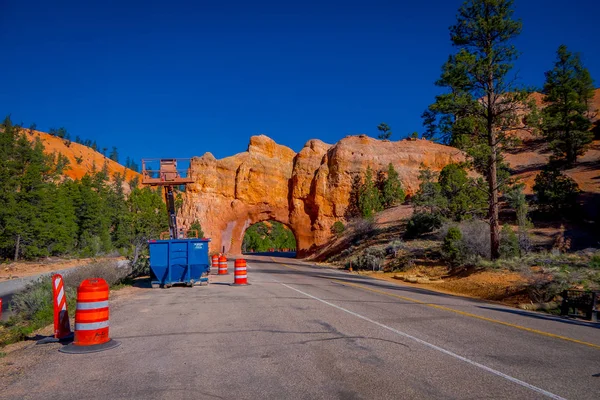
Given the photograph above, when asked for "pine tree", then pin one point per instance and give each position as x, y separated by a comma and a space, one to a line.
481, 105
555, 191
58, 231
147, 218
93, 216
385, 130
114, 154
429, 196
117, 207
392, 192
62, 132
353, 210
369, 198
465, 197
568, 90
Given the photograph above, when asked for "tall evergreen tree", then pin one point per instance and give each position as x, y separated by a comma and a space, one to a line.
25, 175
352, 210
58, 229
92, 215
369, 198
465, 197
117, 207
429, 196
114, 154
568, 90
481, 105
392, 192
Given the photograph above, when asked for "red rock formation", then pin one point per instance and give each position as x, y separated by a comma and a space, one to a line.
307, 191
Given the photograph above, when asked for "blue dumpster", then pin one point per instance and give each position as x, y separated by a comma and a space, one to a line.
179, 261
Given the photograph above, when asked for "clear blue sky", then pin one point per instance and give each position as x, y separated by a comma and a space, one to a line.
180, 78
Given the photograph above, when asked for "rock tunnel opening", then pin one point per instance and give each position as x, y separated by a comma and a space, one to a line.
269, 237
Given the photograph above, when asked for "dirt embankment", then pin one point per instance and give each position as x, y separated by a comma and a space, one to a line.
23, 269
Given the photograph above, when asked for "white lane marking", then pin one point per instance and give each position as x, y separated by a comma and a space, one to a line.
433, 346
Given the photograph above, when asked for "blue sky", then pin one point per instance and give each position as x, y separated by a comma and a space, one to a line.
180, 78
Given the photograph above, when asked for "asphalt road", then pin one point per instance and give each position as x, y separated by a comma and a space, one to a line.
306, 332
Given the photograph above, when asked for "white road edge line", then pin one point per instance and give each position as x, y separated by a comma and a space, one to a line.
432, 346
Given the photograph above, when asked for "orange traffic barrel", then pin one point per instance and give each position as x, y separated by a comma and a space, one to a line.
240, 276
214, 261
91, 318
222, 265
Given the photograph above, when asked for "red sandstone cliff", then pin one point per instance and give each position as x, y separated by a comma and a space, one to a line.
308, 191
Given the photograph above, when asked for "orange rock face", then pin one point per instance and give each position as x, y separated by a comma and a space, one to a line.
307, 191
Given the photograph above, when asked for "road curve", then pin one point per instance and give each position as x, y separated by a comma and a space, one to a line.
305, 332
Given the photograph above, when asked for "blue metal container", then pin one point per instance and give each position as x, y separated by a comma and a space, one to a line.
179, 261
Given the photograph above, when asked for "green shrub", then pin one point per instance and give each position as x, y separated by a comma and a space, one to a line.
421, 223
141, 266
35, 298
452, 246
338, 228
475, 240
371, 259
555, 191
509, 243
393, 247
595, 261
33, 308
196, 229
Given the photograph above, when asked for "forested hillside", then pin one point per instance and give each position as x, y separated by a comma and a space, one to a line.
45, 212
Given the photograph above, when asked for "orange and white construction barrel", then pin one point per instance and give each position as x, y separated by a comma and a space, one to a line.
91, 318
222, 265
214, 261
240, 276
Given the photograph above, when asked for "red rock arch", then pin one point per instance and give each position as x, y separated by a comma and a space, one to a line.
307, 191
268, 221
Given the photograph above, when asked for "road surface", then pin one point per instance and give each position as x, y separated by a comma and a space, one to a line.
306, 332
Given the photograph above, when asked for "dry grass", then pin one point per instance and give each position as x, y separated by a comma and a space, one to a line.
33, 307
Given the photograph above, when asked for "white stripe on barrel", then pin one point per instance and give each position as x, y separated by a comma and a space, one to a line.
240, 277
90, 326
92, 305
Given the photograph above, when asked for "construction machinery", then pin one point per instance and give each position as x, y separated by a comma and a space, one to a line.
178, 256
